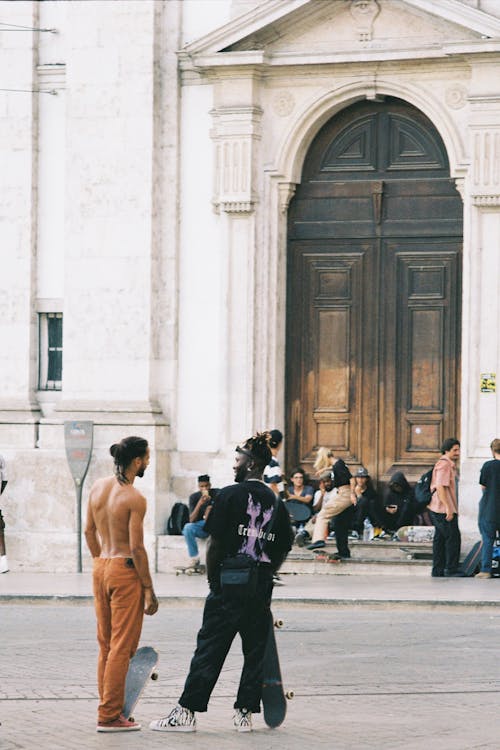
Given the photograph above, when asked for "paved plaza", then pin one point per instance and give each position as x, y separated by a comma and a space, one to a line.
389, 675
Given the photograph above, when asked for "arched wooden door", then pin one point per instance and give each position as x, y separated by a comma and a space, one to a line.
373, 293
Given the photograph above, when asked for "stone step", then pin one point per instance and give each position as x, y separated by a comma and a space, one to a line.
367, 558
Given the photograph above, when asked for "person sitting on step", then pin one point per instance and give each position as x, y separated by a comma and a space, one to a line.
200, 505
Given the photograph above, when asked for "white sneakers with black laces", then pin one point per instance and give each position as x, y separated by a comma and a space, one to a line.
242, 720
180, 719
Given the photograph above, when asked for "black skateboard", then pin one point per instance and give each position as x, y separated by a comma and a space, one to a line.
273, 695
142, 667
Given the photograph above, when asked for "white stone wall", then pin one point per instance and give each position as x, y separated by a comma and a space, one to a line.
146, 199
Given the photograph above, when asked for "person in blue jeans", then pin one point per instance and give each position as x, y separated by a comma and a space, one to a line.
200, 505
489, 508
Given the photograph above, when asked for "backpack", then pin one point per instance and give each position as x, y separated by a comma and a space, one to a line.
178, 518
423, 494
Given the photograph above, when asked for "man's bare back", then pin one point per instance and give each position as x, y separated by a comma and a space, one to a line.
113, 508
114, 526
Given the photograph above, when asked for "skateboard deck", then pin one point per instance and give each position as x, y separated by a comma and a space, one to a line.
324, 556
142, 667
273, 695
190, 571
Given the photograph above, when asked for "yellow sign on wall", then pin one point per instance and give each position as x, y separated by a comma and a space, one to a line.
488, 382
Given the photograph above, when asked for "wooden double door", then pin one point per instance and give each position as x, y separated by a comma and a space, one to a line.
373, 293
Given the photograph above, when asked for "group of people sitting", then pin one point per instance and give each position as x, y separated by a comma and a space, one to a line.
345, 505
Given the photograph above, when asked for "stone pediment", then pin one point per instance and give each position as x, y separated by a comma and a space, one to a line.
284, 32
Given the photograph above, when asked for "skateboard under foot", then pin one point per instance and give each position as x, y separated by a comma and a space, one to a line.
189, 570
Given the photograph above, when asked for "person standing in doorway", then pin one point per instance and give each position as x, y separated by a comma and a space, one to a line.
4, 566
123, 589
247, 524
489, 508
443, 510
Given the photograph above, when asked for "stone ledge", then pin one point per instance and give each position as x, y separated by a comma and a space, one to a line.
171, 552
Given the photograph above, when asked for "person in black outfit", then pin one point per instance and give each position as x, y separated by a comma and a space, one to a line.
246, 519
399, 504
367, 502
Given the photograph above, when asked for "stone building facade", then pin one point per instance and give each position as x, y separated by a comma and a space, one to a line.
155, 164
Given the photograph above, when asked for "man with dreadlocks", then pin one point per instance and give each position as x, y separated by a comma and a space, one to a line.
247, 522
123, 590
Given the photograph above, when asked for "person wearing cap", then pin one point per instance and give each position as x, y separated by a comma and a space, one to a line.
249, 524
366, 502
200, 504
337, 502
335, 507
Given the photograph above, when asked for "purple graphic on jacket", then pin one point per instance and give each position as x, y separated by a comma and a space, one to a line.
254, 533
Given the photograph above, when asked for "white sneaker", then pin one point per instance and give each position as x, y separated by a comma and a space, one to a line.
180, 719
4, 566
242, 720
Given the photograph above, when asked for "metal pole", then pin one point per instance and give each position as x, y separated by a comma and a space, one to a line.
78, 486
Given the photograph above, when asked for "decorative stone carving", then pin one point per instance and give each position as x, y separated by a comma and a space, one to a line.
456, 96
283, 103
364, 13
236, 132
286, 193
486, 161
486, 200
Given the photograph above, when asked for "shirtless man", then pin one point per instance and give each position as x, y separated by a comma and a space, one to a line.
123, 590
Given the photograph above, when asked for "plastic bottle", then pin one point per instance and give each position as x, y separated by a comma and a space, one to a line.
367, 530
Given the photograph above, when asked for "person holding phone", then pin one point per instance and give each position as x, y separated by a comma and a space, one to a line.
200, 505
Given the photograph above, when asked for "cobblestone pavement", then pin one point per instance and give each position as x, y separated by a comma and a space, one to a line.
419, 679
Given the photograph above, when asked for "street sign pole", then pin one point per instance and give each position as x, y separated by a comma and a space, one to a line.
78, 439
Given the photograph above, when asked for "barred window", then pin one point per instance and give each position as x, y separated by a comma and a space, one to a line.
50, 351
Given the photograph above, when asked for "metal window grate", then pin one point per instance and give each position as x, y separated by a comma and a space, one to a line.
50, 351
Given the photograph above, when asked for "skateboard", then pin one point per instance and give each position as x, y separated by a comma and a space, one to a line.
142, 667
420, 534
327, 557
273, 696
199, 570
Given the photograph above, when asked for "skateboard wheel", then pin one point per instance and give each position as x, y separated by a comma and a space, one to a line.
289, 694
278, 623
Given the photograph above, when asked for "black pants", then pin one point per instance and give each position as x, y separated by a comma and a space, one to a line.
446, 544
341, 525
223, 617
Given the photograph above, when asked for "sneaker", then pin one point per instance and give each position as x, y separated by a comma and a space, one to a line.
180, 719
317, 545
242, 720
121, 724
301, 538
331, 535
353, 535
483, 574
277, 580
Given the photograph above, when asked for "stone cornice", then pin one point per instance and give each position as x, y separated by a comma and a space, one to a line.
267, 13
260, 60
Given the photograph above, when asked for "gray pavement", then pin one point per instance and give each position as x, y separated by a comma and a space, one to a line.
298, 589
419, 678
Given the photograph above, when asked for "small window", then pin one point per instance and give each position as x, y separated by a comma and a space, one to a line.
50, 340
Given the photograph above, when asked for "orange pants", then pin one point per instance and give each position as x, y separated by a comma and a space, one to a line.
119, 607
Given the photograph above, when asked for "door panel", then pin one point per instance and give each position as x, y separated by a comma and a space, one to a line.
373, 302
